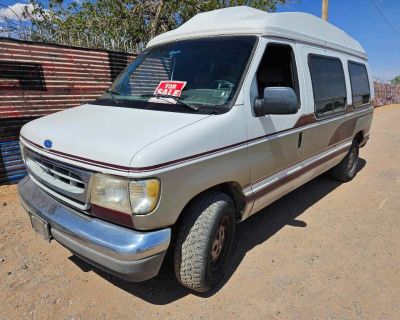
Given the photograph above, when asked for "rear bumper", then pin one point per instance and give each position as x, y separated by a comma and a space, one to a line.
128, 254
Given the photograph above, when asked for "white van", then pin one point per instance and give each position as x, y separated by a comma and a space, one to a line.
211, 123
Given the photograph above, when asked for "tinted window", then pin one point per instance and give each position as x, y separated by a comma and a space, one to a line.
328, 84
359, 83
277, 69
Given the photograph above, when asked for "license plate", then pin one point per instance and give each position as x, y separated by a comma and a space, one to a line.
41, 227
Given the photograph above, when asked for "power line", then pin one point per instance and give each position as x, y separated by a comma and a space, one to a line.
384, 17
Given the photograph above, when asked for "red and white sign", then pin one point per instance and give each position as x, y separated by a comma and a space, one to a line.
170, 88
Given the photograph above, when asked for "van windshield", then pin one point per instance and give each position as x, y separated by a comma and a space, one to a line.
197, 75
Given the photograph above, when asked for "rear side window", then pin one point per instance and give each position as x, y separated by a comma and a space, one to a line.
329, 85
359, 83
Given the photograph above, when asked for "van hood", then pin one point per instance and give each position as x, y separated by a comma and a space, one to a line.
104, 134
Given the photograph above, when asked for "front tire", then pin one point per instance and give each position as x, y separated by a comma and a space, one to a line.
346, 170
204, 241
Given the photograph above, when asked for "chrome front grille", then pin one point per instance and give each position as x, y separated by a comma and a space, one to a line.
66, 180
64, 177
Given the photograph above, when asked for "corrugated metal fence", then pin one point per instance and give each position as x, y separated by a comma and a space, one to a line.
37, 79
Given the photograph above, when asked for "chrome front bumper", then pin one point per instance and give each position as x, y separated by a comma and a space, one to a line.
128, 254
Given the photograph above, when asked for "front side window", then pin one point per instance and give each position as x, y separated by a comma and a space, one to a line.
328, 83
277, 69
359, 83
208, 71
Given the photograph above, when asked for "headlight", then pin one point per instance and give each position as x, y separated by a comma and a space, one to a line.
22, 150
111, 193
144, 195
123, 195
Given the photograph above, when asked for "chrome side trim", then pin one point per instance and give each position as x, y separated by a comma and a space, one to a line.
319, 122
196, 157
268, 180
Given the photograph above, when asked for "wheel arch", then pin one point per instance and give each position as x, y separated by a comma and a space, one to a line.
359, 136
231, 188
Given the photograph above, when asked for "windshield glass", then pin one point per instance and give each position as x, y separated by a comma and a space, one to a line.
198, 75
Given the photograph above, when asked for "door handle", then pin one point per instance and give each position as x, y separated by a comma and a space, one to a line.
300, 142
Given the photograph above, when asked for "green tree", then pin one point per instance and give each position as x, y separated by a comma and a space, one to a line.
119, 24
395, 80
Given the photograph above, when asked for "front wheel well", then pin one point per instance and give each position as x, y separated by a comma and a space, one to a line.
359, 137
232, 189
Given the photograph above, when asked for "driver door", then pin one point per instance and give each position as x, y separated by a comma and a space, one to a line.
275, 144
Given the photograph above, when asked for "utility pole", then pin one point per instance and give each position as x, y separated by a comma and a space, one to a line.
325, 10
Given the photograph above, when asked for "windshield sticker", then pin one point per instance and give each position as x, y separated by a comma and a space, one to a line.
170, 88
162, 100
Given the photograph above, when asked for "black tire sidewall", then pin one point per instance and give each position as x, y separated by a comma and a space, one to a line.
351, 174
213, 277
341, 172
192, 253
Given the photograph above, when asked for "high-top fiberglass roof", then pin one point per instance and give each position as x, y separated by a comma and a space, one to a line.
245, 20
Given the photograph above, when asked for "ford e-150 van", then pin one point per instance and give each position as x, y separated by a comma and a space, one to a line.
212, 122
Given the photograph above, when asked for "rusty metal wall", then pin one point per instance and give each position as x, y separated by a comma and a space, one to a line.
386, 93
37, 79
11, 165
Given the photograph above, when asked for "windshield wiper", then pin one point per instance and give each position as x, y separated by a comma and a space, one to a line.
177, 99
112, 94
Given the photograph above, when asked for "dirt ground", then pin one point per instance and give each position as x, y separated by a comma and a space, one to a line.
325, 251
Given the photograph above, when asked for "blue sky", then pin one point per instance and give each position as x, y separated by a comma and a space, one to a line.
361, 20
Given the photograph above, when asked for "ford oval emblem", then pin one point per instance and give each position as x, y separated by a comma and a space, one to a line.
47, 144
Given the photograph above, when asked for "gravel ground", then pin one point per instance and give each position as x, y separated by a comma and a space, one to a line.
325, 251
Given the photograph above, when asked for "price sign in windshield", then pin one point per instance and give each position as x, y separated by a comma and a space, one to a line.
170, 88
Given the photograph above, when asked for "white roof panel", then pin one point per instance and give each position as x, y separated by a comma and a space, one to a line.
245, 20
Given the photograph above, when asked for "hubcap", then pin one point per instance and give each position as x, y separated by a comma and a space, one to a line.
218, 243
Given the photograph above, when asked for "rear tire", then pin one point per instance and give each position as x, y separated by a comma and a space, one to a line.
346, 170
204, 241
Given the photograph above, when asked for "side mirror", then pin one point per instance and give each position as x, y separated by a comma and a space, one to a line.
277, 100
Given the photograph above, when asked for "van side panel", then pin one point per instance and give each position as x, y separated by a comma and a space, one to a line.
332, 130
289, 180
326, 140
